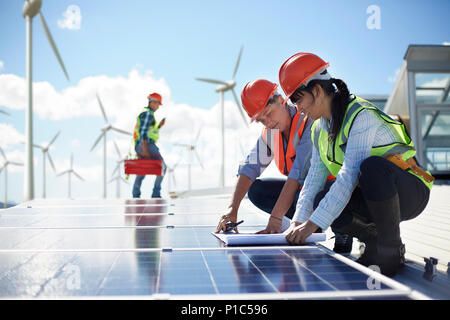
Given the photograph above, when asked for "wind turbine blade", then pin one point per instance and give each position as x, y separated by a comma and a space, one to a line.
117, 149
211, 81
121, 131
71, 161
96, 141
239, 107
181, 145
198, 135
52, 44
16, 163
174, 180
54, 138
37, 146
112, 179
179, 160
78, 176
121, 178
237, 63
101, 107
116, 168
198, 158
64, 172
1, 111
3, 154
51, 161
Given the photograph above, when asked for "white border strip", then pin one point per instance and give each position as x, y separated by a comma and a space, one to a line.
247, 296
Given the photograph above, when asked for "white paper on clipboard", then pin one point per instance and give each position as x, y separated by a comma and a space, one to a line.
238, 239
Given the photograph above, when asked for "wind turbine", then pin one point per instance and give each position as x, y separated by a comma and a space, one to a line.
4, 112
30, 9
171, 176
69, 172
221, 89
45, 153
118, 177
191, 148
5, 166
104, 130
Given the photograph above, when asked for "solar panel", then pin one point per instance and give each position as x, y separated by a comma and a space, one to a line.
155, 248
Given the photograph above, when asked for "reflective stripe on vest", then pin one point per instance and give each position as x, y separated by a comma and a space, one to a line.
153, 131
332, 153
284, 159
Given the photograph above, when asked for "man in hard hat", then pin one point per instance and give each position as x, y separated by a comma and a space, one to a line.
285, 139
146, 134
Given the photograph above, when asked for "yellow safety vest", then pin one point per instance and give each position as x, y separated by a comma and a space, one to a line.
153, 131
332, 153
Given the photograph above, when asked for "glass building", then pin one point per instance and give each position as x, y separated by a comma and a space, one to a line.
421, 100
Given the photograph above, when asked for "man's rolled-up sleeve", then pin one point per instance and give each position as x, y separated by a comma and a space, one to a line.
256, 161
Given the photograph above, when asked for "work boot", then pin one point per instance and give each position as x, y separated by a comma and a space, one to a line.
342, 243
390, 249
366, 232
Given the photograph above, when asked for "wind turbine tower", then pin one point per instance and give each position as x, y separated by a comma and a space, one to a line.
45, 154
221, 89
105, 130
30, 9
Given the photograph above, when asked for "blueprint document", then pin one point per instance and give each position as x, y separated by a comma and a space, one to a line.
238, 239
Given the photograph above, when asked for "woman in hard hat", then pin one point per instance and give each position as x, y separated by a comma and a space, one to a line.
378, 182
285, 139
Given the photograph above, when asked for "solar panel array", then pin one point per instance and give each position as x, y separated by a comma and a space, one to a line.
164, 249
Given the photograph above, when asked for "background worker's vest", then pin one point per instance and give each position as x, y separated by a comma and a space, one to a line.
284, 159
153, 131
332, 153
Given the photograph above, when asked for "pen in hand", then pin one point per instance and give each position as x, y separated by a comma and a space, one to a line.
231, 225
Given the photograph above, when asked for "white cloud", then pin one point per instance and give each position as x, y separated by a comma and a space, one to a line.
123, 99
71, 18
9, 136
2, 65
393, 78
445, 43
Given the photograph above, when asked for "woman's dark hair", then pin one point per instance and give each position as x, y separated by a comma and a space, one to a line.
341, 96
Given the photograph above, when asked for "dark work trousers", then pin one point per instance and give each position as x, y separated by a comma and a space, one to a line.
380, 180
264, 194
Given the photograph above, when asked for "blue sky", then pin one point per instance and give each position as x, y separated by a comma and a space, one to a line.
175, 41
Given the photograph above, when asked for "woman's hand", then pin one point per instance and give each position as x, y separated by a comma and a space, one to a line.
230, 216
298, 232
273, 226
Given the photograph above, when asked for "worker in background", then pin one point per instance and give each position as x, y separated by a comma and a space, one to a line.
146, 134
285, 139
378, 182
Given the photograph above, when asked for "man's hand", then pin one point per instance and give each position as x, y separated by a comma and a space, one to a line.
273, 226
230, 216
163, 121
298, 232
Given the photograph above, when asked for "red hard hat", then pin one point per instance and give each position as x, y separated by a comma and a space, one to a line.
155, 96
299, 70
255, 96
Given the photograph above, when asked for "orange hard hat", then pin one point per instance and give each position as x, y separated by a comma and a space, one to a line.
155, 96
299, 69
255, 96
